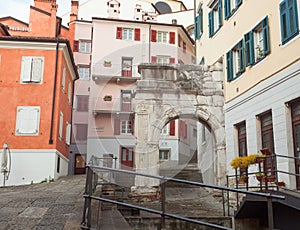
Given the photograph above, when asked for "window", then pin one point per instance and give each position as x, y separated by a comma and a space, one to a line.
126, 127
215, 18
28, 119
230, 6
295, 112
242, 143
164, 154
81, 132
32, 69
82, 103
126, 101
267, 139
162, 37
235, 61
84, 72
184, 47
63, 79
127, 67
288, 20
61, 122
68, 133
163, 59
129, 34
257, 43
84, 46
199, 24
165, 130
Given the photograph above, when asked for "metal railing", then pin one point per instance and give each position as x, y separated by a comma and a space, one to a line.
89, 189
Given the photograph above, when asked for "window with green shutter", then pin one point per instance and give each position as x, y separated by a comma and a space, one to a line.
288, 20
199, 24
229, 65
230, 6
215, 17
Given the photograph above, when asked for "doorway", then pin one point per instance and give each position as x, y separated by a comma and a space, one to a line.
79, 164
127, 158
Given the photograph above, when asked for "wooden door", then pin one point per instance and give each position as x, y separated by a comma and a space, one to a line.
127, 158
79, 164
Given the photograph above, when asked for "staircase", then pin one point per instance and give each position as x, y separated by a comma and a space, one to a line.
189, 172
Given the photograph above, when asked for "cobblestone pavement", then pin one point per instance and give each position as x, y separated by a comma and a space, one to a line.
54, 205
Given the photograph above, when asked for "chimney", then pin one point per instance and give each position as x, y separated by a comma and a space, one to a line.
113, 9
174, 21
45, 5
74, 11
53, 19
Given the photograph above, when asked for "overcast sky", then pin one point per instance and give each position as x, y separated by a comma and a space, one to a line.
20, 8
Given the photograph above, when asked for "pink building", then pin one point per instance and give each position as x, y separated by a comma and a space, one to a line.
119, 46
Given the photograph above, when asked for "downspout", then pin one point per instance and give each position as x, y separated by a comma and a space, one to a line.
54, 94
149, 44
195, 46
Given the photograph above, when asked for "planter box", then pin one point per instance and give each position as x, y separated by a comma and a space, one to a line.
107, 98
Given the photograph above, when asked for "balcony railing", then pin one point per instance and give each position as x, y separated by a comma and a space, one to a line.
114, 105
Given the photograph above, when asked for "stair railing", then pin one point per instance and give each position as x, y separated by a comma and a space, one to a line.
88, 196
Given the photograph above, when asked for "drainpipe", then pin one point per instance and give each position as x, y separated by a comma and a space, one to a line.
195, 46
54, 92
149, 44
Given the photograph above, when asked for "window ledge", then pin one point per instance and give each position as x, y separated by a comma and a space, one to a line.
290, 39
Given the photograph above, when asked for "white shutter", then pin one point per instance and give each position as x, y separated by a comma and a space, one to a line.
26, 69
28, 118
61, 121
37, 69
63, 80
68, 133
69, 92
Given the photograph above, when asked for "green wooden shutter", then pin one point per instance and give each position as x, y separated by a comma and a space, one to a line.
196, 28
283, 21
293, 18
249, 48
266, 36
227, 9
220, 13
200, 22
229, 66
241, 56
211, 23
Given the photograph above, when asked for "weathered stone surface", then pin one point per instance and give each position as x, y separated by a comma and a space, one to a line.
167, 92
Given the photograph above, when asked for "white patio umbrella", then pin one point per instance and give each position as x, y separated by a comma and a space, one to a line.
5, 163
4, 159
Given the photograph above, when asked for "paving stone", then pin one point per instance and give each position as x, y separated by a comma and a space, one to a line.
33, 212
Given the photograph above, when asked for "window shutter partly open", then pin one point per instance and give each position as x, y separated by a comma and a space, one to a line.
119, 33
137, 34
117, 126
266, 36
37, 69
153, 59
153, 35
76, 46
172, 38
26, 69
172, 128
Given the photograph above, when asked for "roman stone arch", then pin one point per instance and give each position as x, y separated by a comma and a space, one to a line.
167, 92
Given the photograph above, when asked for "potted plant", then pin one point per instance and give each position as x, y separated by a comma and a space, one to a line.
281, 183
107, 64
271, 178
260, 158
243, 179
260, 53
107, 98
260, 176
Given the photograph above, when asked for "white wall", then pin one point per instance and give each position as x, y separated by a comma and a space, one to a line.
34, 166
271, 94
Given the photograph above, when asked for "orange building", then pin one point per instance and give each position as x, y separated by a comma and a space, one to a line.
37, 74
